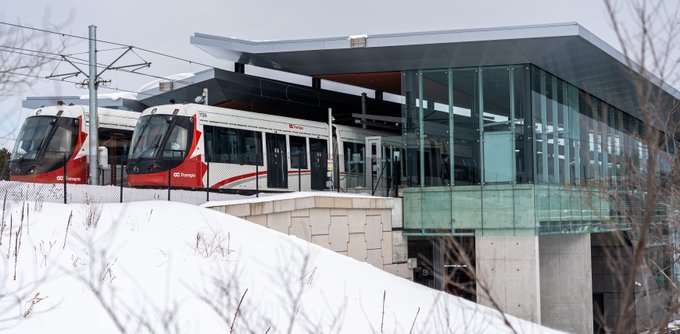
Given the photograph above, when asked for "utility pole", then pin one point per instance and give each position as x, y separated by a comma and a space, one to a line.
94, 120
93, 82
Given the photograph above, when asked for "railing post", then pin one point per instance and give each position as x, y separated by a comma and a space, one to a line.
65, 178
122, 169
299, 171
169, 184
257, 179
370, 172
207, 181
388, 177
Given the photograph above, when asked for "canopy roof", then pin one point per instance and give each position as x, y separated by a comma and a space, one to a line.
566, 50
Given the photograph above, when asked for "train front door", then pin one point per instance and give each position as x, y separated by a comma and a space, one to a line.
277, 167
318, 153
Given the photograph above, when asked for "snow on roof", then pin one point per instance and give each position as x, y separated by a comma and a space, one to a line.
172, 77
113, 96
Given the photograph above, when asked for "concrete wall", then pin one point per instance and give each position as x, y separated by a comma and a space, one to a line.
566, 282
508, 267
367, 229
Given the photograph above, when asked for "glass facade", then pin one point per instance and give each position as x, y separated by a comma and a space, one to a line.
512, 149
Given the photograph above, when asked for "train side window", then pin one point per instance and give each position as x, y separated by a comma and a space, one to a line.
298, 152
234, 146
251, 147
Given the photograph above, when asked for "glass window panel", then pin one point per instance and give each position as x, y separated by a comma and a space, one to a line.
176, 144
539, 102
298, 152
496, 95
411, 128
466, 149
435, 105
523, 127
586, 137
547, 102
236, 146
354, 164
498, 140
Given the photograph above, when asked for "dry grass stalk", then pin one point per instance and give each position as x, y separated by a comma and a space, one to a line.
17, 247
382, 316
413, 324
68, 224
36, 299
9, 247
238, 308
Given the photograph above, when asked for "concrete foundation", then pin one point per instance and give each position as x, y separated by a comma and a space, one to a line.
566, 283
508, 273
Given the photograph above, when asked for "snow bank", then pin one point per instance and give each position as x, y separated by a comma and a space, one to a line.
169, 267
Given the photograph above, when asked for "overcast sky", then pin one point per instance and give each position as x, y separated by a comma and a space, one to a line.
166, 26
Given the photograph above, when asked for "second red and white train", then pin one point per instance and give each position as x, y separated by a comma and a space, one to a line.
198, 146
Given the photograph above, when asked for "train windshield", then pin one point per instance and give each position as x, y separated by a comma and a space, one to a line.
48, 136
161, 136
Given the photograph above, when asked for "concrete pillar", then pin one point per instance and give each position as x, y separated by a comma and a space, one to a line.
507, 267
566, 282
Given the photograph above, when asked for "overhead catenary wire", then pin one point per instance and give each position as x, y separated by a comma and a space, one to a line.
132, 48
104, 41
81, 61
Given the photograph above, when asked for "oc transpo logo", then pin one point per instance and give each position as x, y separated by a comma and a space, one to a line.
180, 174
69, 178
295, 127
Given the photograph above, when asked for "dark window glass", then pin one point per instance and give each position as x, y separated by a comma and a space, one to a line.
56, 136
298, 152
235, 146
467, 155
164, 136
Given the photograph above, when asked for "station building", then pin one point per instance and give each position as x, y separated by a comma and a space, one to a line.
511, 141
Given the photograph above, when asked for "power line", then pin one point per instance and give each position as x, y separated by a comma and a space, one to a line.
81, 61
104, 41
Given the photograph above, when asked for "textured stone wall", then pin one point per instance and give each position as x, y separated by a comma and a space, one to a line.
367, 229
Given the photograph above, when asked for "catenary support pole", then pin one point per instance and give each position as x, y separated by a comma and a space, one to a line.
93, 119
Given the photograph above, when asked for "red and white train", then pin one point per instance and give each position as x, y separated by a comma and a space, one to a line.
56, 135
178, 143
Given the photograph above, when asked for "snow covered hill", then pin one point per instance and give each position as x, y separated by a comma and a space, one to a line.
165, 267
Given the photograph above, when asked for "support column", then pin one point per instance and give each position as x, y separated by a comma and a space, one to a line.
566, 282
508, 267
